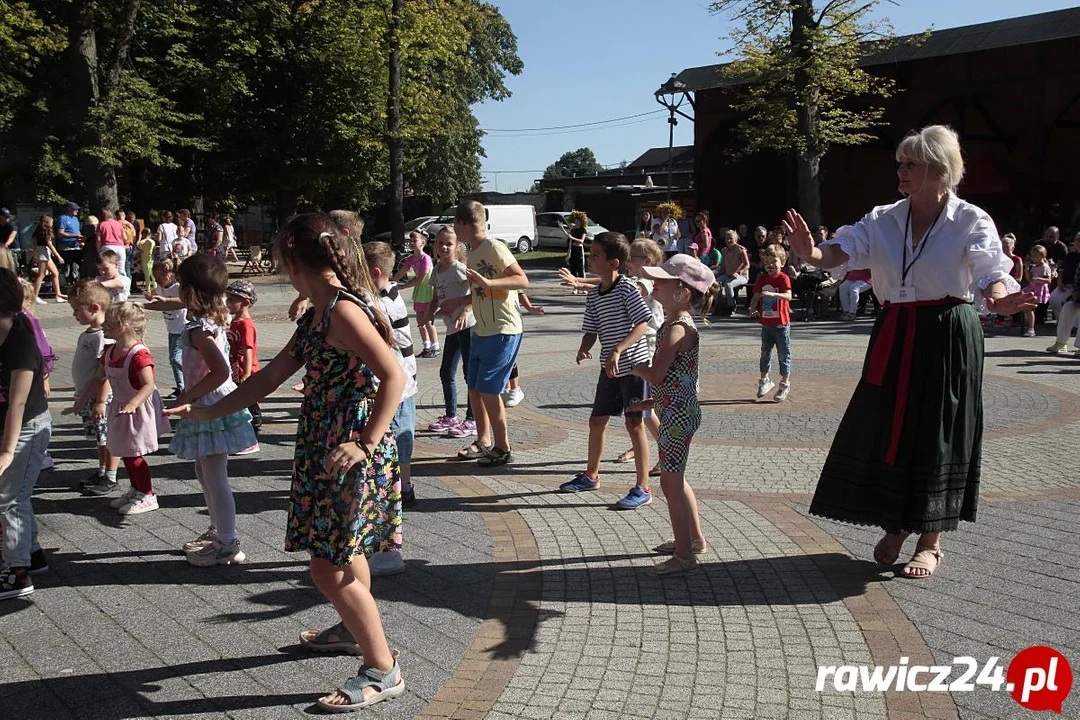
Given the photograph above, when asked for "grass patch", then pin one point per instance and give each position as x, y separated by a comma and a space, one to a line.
542, 259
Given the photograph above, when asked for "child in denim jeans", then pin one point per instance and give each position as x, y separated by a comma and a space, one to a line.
771, 304
25, 429
167, 300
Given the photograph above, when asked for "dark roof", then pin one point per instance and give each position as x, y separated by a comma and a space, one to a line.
658, 157
950, 41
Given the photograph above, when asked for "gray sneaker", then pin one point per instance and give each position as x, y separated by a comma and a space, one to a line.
782, 392
763, 387
217, 553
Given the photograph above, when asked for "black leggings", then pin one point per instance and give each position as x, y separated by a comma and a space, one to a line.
455, 347
575, 260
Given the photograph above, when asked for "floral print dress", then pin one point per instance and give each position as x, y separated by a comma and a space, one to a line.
335, 516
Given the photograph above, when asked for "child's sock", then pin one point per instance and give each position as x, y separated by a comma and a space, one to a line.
427, 345
102, 470
111, 474
435, 345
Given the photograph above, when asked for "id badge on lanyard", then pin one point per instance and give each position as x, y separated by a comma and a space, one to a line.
906, 293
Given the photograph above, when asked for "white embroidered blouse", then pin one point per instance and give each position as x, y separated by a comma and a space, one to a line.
960, 257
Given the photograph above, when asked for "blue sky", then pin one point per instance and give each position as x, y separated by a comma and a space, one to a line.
592, 60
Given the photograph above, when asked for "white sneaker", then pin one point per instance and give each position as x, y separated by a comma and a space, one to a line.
124, 499
513, 398
782, 392
140, 504
248, 451
49, 463
386, 563
39, 301
763, 387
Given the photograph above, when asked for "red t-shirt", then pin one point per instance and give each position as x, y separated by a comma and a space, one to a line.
773, 311
140, 360
241, 337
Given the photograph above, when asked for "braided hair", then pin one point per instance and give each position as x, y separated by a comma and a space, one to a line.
314, 240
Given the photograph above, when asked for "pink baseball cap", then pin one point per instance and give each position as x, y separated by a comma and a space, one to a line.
690, 270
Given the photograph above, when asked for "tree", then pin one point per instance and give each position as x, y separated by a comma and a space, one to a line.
797, 69
575, 163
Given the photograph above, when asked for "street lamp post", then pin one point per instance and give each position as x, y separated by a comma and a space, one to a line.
666, 95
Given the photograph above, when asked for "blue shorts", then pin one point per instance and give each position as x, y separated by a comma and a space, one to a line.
491, 359
404, 428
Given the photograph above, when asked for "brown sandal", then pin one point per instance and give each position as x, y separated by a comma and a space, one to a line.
926, 559
881, 557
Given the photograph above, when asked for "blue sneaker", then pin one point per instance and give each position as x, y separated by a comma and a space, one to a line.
634, 499
580, 483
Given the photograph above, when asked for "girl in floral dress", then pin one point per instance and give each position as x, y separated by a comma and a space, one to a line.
345, 500
207, 378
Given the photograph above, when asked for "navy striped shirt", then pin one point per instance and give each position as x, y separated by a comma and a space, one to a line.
611, 314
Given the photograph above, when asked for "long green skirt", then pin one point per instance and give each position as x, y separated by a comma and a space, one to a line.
907, 455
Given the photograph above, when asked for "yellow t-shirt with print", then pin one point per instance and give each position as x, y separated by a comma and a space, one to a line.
496, 311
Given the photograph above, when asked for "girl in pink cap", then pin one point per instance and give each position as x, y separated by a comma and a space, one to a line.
682, 283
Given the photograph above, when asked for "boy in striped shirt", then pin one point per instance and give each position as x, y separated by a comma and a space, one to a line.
616, 314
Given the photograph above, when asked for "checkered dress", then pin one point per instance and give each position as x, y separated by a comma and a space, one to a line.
677, 401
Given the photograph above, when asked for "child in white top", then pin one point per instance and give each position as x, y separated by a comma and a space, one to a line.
89, 301
209, 443
110, 277
164, 300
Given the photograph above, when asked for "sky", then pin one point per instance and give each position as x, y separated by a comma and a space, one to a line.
588, 61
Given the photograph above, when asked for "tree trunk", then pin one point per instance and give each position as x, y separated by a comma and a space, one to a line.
99, 181
393, 130
808, 157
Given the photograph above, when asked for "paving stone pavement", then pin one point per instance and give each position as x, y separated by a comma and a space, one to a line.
521, 602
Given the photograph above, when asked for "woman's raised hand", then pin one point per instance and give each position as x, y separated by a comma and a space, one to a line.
802, 242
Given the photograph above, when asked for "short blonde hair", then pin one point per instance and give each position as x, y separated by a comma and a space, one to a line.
939, 147
649, 249
128, 315
89, 292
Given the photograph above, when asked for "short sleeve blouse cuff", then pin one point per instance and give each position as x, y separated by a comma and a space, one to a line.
1011, 286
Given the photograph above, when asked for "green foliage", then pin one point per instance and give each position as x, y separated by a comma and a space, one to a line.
25, 39
575, 163
792, 56
257, 101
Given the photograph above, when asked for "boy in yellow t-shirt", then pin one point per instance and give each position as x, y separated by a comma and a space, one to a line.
495, 278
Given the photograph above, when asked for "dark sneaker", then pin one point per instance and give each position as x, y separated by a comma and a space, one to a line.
580, 483
104, 487
95, 478
38, 563
408, 496
15, 582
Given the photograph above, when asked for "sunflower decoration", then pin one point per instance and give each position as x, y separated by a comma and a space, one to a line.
578, 215
672, 207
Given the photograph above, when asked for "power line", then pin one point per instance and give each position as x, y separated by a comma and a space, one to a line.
572, 132
577, 125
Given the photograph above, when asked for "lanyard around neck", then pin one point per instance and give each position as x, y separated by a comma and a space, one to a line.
905, 265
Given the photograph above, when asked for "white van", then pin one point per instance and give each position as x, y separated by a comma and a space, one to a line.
515, 225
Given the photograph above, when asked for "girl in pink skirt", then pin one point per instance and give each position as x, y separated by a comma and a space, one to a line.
1039, 277
134, 416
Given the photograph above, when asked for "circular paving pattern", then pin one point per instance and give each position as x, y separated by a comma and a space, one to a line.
811, 416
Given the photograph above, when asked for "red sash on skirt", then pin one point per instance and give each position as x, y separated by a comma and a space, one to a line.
882, 351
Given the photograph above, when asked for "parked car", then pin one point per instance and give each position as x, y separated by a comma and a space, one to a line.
421, 223
548, 234
515, 225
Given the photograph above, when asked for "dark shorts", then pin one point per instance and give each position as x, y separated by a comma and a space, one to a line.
614, 395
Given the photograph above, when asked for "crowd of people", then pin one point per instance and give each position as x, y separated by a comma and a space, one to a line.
68, 247
934, 260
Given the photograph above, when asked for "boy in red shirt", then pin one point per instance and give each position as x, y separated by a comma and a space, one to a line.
771, 303
243, 344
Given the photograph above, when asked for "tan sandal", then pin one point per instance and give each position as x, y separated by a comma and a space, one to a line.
675, 566
626, 456
926, 559
668, 547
